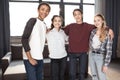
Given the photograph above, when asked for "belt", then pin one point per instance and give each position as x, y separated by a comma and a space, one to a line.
96, 52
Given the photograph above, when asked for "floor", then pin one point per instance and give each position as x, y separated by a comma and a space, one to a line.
112, 74
113, 70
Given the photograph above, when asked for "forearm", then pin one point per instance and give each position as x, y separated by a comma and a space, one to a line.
25, 44
108, 51
31, 60
28, 55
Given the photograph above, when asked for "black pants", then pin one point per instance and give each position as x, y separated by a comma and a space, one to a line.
58, 68
81, 59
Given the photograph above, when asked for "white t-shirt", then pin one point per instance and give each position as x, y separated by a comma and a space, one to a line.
96, 42
37, 40
56, 43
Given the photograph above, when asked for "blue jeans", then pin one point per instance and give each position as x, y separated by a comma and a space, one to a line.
58, 68
96, 62
34, 72
81, 58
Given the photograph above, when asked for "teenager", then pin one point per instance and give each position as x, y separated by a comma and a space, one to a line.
79, 34
56, 39
33, 40
100, 49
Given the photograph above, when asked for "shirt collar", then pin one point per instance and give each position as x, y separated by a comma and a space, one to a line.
54, 29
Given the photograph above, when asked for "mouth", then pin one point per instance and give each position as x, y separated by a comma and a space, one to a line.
44, 15
57, 25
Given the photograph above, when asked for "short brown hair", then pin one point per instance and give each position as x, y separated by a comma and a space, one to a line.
78, 10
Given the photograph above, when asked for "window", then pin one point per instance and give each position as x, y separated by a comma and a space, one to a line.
69, 13
22, 10
88, 13
88, 1
19, 14
23, 0
72, 1
52, 0
54, 11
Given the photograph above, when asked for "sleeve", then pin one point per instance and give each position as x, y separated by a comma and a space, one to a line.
92, 26
91, 38
66, 37
108, 51
27, 33
66, 29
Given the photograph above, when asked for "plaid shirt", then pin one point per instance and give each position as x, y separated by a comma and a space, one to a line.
105, 47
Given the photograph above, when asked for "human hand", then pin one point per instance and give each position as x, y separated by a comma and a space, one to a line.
47, 30
111, 33
104, 69
33, 61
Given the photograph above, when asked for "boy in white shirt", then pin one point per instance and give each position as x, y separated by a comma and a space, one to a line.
33, 41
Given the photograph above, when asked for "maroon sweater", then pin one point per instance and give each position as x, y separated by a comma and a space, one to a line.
78, 36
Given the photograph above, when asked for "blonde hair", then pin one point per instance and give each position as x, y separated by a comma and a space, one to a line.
104, 28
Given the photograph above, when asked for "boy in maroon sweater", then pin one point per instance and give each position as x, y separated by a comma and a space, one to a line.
78, 33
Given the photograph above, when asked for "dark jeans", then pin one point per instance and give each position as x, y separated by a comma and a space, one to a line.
81, 58
34, 72
58, 68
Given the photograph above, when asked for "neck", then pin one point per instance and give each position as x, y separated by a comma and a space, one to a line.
98, 31
79, 22
40, 18
57, 29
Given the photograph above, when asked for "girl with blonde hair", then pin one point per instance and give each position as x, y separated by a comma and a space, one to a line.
100, 49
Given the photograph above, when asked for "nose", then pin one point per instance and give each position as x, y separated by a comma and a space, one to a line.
45, 12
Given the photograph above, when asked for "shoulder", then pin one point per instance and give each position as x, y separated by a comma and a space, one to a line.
62, 31
51, 31
32, 20
68, 26
93, 31
89, 25
72, 24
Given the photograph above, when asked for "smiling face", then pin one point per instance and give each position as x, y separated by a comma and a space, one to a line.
98, 21
43, 11
78, 15
57, 22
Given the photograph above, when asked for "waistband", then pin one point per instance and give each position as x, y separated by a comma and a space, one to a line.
96, 52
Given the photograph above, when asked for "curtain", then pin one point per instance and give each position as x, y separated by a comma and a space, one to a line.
4, 28
112, 13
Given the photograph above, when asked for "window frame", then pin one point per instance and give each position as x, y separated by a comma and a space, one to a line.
61, 5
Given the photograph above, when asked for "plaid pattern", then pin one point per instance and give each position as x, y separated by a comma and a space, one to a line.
105, 48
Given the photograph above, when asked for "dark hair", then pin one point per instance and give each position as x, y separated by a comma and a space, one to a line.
44, 3
52, 26
78, 10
